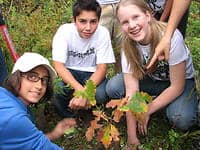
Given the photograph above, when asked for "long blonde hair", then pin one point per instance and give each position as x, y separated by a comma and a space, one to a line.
129, 46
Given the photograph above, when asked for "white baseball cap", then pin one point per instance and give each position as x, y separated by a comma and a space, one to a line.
30, 60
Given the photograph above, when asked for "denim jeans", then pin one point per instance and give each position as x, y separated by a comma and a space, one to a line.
3, 69
61, 100
182, 112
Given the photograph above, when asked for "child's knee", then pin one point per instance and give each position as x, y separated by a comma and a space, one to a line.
115, 87
182, 121
110, 88
101, 96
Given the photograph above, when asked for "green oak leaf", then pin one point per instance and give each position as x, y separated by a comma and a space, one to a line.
88, 93
70, 131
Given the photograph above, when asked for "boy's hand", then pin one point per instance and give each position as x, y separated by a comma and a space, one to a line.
78, 103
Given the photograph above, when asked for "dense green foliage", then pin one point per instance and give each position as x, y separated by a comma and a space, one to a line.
193, 34
33, 23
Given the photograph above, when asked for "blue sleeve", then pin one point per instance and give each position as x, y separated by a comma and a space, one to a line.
20, 133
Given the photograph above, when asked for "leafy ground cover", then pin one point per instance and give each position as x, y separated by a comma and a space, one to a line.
32, 25
161, 136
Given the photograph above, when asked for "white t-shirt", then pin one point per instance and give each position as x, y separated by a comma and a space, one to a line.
178, 53
82, 54
105, 2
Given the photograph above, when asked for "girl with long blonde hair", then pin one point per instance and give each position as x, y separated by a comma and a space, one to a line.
172, 82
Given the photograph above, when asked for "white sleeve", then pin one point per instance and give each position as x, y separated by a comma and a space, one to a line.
104, 49
178, 51
59, 45
124, 63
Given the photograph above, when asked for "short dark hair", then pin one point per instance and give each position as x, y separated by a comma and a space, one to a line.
87, 5
13, 84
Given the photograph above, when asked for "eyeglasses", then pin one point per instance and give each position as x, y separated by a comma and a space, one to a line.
34, 77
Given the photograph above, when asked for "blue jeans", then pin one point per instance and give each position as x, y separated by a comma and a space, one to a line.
3, 69
61, 100
182, 112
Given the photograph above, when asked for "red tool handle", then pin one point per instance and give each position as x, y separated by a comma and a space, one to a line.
8, 39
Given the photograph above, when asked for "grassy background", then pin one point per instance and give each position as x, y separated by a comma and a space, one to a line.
32, 25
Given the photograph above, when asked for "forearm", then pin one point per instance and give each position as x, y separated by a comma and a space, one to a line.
167, 10
178, 9
52, 136
166, 97
66, 76
99, 74
177, 84
131, 127
131, 85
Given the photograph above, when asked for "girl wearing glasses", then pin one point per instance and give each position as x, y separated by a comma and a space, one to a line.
30, 81
172, 82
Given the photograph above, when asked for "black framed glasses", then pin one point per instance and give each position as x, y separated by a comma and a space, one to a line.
34, 77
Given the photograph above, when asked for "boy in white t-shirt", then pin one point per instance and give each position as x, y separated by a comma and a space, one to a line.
81, 51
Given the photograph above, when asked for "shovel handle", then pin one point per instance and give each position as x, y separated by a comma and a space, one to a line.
8, 39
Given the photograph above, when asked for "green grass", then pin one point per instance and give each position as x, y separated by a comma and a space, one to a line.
32, 25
